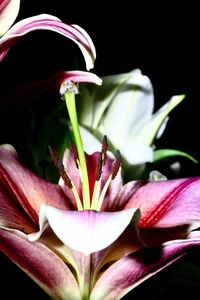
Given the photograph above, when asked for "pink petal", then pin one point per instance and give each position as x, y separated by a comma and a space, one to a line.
88, 231
164, 203
10, 214
37, 88
128, 242
128, 272
75, 76
41, 264
28, 190
49, 22
8, 12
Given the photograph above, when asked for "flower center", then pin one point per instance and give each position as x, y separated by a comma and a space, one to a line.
68, 90
99, 192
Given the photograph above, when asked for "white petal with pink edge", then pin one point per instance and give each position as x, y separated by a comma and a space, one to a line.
8, 12
49, 22
87, 231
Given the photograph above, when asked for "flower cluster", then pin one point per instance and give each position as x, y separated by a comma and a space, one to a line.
90, 236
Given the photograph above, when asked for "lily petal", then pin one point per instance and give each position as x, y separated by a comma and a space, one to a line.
120, 120
150, 129
136, 152
88, 231
140, 154
102, 112
131, 270
94, 104
29, 190
41, 264
90, 142
31, 90
10, 214
49, 22
8, 12
164, 203
76, 76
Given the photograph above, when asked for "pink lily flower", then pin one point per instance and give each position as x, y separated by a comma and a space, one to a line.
48, 22
102, 252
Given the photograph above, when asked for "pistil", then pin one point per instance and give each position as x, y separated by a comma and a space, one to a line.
68, 90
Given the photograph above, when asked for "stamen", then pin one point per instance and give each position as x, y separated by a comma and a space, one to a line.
54, 156
64, 175
66, 178
75, 154
116, 164
114, 170
97, 185
98, 170
104, 149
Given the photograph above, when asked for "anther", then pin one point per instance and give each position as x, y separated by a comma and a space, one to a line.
75, 154
54, 156
116, 164
104, 149
98, 170
59, 165
64, 175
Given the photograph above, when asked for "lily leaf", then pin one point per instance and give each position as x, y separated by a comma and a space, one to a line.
164, 153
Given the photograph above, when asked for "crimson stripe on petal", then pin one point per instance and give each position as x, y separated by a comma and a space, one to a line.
164, 203
28, 190
49, 22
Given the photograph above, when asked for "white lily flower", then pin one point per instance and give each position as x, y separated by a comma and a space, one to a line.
122, 109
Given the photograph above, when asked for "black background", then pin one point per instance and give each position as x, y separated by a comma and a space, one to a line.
160, 39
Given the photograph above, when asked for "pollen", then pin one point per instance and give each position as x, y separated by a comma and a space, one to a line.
68, 86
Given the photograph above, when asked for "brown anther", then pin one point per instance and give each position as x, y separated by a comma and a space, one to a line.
75, 154
98, 170
64, 175
104, 149
54, 156
116, 164
59, 165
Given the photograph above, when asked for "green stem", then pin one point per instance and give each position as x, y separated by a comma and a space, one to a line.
71, 106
